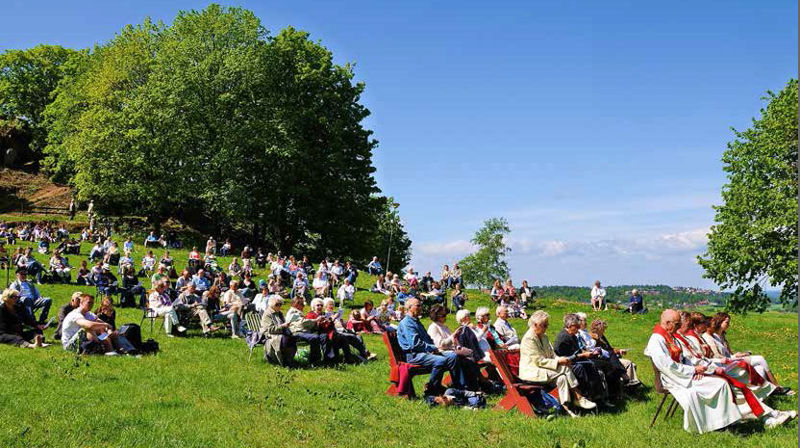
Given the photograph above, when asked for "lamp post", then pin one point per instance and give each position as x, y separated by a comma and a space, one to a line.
391, 233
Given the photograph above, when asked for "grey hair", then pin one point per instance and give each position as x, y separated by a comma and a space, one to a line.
316, 301
538, 317
481, 311
581, 315
274, 301
499, 309
327, 301
571, 319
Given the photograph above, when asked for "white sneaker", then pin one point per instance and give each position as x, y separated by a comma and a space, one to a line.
112, 354
774, 420
584, 403
181, 329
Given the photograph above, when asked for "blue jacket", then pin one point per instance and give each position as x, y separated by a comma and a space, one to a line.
412, 336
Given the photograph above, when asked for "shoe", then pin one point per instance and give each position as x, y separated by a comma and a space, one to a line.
170, 335
584, 403
112, 354
235, 336
792, 414
181, 329
608, 404
372, 357
774, 421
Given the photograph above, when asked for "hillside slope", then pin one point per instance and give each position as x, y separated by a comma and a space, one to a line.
20, 190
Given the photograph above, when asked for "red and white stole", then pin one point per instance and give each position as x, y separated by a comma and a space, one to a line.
674, 350
686, 343
706, 348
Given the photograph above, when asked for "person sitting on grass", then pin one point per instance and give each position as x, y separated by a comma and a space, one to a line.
419, 348
234, 269
347, 336
526, 294
190, 303
261, 300
280, 346
160, 276
161, 304
345, 292
299, 286
635, 303
374, 267
83, 332
459, 297
370, 317
11, 331
30, 300
31, 265
84, 276
201, 281
497, 294
598, 297
320, 284
435, 295
539, 364
131, 289
106, 312
151, 240
60, 267
403, 295
306, 330
74, 302
233, 306
148, 264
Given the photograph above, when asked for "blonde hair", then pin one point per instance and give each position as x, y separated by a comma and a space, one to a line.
538, 317
8, 294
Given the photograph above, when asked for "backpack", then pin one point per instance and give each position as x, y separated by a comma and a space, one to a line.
133, 333
543, 403
149, 346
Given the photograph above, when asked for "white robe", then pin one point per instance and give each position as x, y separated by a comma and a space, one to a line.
707, 403
762, 392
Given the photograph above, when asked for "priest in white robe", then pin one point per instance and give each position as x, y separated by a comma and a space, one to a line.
708, 402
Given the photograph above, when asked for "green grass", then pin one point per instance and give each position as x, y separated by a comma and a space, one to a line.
203, 393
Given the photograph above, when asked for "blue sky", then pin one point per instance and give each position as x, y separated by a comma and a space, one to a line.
595, 128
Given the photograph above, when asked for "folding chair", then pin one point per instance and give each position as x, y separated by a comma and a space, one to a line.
150, 314
659, 387
253, 323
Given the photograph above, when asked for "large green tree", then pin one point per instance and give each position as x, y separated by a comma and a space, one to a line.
212, 119
27, 81
753, 243
488, 262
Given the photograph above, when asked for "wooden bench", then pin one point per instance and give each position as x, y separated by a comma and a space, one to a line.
517, 391
397, 359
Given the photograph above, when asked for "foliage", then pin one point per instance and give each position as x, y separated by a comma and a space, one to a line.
390, 228
754, 241
488, 262
212, 120
27, 81
125, 402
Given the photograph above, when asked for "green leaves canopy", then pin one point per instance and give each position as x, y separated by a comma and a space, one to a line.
27, 80
487, 263
754, 241
212, 120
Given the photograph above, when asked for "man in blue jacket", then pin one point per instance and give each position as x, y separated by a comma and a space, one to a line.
420, 349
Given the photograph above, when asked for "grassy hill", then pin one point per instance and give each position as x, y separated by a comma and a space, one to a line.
203, 393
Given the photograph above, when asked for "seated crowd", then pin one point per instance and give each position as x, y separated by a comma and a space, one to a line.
715, 385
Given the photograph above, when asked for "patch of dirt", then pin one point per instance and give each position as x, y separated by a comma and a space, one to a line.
31, 190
